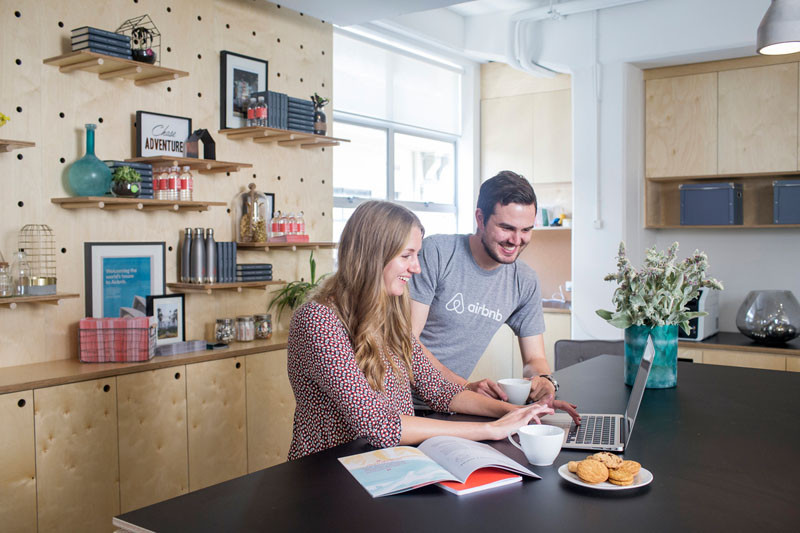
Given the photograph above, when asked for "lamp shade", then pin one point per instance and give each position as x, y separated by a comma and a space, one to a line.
779, 31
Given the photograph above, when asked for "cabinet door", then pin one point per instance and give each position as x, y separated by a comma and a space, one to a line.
692, 354
153, 452
746, 359
215, 394
552, 137
270, 410
557, 326
681, 126
17, 463
758, 119
507, 135
793, 363
77, 463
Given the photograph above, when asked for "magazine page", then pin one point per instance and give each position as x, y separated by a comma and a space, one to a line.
394, 470
462, 457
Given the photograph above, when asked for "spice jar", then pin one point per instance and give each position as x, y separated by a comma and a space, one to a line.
245, 328
223, 330
263, 325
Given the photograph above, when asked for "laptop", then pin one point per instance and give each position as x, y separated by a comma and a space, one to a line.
606, 432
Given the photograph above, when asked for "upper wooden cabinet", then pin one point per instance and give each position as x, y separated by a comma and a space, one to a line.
552, 137
507, 135
681, 126
758, 119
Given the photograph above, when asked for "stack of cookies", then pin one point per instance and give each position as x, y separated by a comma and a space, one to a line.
605, 466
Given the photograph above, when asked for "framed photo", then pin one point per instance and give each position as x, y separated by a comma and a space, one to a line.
239, 78
115, 272
158, 134
171, 321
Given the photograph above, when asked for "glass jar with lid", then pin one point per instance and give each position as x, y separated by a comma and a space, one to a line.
263, 325
21, 274
224, 330
252, 211
6, 288
245, 329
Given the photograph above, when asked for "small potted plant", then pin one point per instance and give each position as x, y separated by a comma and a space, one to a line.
294, 294
126, 182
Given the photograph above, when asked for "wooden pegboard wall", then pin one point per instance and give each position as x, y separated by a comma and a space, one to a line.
50, 108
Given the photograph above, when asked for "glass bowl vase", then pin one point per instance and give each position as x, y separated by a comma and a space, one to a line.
769, 317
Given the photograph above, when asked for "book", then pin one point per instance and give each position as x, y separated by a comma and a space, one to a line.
104, 52
97, 39
482, 479
438, 459
88, 30
253, 266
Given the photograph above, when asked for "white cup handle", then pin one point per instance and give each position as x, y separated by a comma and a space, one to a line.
512, 441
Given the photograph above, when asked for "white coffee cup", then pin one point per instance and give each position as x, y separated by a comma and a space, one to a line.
516, 389
541, 443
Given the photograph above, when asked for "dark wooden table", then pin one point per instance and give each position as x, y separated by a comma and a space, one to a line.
724, 448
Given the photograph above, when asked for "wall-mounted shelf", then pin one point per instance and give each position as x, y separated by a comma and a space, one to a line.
204, 166
52, 299
109, 67
7, 145
208, 288
110, 203
282, 137
293, 246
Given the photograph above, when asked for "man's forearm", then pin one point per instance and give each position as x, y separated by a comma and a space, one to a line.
536, 367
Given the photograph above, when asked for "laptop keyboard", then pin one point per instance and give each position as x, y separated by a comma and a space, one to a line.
593, 430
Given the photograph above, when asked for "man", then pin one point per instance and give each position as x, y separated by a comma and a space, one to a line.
471, 284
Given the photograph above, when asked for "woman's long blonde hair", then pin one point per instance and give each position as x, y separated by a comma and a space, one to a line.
375, 234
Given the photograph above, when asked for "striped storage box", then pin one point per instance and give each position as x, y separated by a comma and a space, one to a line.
117, 340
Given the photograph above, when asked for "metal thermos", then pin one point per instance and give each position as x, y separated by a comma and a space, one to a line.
198, 256
186, 257
211, 257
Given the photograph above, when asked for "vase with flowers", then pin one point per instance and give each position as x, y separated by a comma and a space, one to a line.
652, 302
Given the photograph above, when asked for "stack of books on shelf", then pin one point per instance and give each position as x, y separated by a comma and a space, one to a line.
253, 272
145, 170
276, 110
101, 42
300, 115
226, 262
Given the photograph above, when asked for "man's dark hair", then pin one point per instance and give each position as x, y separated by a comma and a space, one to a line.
507, 188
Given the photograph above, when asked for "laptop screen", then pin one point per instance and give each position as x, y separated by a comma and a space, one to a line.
635, 399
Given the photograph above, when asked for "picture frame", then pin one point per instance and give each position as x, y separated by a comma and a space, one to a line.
239, 77
160, 134
170, 317
115, 272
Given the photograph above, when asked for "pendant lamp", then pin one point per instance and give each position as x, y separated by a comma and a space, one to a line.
779, 31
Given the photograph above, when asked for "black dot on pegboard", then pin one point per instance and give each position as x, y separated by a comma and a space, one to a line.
323, 52
254, 175
169, 49
199, 95
323, 213
227, 173
62, 160
199, 56
279, 39
169, 89
100, 120
279, 6
323, 84
227, 26
63, 250
169, 10
279, 74
254, 33
323, 148
323, 181
199, 17
17, 14
301, 80
60, 24
229, 210
169, 248
301, 180
279, 178
20, 203
19, 156
61, 114
301, 14
301, 47
19, 109
18, 61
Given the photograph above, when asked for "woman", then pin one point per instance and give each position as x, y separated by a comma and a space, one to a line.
353, 361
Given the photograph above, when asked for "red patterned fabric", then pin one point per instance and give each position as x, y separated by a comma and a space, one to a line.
335, 404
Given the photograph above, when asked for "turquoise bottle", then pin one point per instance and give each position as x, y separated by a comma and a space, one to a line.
88, 176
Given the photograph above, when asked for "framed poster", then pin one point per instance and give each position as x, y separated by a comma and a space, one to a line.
239, 78
170, 318
158, 134
115, 272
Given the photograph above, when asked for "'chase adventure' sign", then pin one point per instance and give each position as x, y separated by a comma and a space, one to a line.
158, 134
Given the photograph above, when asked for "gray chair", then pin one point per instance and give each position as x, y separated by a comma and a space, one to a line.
569, 352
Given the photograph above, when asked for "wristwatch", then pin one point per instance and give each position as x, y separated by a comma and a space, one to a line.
551, 379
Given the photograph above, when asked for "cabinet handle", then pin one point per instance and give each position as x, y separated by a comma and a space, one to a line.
106, 388
238, 365
21, 403
177, 375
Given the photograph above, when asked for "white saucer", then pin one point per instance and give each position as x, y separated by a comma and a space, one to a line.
640, 480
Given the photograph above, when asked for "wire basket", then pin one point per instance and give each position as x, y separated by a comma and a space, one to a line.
145, 39
117, 340
39, 244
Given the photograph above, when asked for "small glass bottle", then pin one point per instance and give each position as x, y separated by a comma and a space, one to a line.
261, 112
291, 224
174, 183
251, 112
163, 184
224, 331
282, 225
275, 225
245, 328
187, 184
6, 289
20, 274
301, 224
263, 324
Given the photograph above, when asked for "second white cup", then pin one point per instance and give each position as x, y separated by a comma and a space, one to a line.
516, 389
540, 443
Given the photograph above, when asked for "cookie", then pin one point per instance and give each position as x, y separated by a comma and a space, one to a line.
621, 483
631, 467
572, 466
622, 476
608, 459
592, 471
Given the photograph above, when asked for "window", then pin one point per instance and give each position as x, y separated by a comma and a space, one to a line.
402, 114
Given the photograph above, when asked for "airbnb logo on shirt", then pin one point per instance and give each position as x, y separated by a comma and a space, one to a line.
456, 304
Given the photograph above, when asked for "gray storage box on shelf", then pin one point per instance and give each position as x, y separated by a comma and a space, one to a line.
786, 209
711, 204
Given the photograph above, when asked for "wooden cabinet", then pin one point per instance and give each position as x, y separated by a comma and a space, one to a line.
557, 326
747, 359
17, 463
153, 453
77, 463
681, 126
498, 360
690, 354
758, 119
270, 410
552, 137
507, 135
215, 395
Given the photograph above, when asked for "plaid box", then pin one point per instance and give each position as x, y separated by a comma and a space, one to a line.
117, 340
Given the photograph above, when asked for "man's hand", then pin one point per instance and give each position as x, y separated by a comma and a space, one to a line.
541, 387
489, 388
561, 405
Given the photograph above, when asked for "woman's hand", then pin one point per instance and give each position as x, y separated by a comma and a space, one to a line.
515, 419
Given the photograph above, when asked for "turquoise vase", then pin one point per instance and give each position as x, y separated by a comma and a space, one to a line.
88, 176
664, 372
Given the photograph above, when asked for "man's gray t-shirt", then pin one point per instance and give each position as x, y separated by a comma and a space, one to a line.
469, 304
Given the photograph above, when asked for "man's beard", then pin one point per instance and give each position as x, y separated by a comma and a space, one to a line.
494, 255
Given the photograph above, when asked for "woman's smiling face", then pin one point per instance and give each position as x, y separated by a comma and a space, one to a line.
399, 270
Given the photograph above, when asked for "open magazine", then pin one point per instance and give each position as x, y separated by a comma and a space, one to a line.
393, 470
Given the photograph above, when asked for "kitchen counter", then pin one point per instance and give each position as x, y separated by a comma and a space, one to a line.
729, 340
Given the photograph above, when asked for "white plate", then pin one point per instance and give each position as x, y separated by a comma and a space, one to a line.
640, 480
